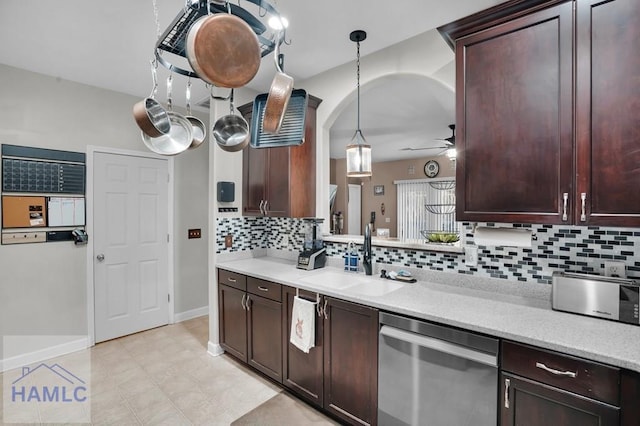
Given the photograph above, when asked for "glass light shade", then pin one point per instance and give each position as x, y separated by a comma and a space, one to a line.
452, 153
358, 160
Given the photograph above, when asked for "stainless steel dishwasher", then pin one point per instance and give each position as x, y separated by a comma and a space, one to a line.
435, 375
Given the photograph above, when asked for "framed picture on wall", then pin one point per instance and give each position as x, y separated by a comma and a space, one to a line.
378, 189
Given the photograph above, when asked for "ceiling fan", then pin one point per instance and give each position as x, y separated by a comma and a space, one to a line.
449, 142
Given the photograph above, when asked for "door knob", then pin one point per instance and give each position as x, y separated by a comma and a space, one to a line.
100, 257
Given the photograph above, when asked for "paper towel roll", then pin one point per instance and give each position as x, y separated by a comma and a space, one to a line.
502, 237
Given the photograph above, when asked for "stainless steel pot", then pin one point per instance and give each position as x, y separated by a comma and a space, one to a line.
176, 141
180, 135
231, 131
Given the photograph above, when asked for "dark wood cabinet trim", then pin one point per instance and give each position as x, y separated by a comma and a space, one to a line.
492, 17
630, 398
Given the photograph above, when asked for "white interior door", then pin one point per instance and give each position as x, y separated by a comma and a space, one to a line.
130, 244
354, 209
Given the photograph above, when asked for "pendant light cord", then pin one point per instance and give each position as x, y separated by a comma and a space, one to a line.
358, 80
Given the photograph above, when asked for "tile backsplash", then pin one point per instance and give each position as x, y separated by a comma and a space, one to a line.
556, 248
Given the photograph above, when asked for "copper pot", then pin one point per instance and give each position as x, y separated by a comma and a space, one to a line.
223, 50
150, 116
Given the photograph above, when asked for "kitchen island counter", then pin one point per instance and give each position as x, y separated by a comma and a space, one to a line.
511, 310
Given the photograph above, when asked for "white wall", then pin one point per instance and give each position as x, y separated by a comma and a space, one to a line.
43, 286
425, 55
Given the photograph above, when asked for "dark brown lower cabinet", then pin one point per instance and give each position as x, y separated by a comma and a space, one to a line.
251, 323
340, 374
264, 317
530, 403
351, 361
542, 387
233, 321
302, 373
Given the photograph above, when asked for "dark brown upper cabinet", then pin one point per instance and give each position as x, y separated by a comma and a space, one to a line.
547, 111
281, 182
608, 112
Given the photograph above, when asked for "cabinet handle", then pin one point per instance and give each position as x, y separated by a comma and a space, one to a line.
232, 280
244, 308
266, 208
324, 309
319, 308
261, 288
248, 303
565, 200
507, 384
261, 208
556, 372
583, 216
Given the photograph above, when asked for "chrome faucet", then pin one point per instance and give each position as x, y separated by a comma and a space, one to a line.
366, 257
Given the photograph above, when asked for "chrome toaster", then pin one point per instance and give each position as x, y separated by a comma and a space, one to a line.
604, 297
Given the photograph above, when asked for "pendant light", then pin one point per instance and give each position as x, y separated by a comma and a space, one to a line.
358, 151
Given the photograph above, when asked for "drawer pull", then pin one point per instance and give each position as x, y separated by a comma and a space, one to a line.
507, 384
261, 288
232, 280
556, 372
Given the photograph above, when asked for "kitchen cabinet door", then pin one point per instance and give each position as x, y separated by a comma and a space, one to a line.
351, 361
254, 184
530, 403
233, 321
514, 119
264, 318
607, 112
302, 372
281, 182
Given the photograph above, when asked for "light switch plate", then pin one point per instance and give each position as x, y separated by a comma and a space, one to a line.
471, 256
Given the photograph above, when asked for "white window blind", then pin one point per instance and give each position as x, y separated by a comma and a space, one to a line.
425, 205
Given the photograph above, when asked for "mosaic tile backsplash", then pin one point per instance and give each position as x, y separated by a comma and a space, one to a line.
556, 248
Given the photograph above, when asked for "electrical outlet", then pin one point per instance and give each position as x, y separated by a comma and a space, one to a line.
471, 256
228, 241
615, 269
285, 239
194, 233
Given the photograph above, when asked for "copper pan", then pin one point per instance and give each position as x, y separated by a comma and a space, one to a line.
279, 95
150, 116
223, 50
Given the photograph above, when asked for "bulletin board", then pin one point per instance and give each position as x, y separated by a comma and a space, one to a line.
43, 194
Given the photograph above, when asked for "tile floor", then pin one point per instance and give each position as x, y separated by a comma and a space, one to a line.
164, 376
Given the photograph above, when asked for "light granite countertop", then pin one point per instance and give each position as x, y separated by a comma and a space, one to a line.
511, 310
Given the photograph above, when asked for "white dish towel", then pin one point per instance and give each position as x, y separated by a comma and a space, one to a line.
303, 326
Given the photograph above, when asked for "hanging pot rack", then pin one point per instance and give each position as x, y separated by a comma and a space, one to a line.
173, 39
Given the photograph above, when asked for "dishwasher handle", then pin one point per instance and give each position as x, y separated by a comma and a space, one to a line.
439, 345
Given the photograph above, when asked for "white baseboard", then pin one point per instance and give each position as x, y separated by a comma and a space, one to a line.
214, 349
44, 354
193, 313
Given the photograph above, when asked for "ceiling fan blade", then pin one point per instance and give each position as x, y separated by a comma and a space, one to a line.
449, 141
423, 149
